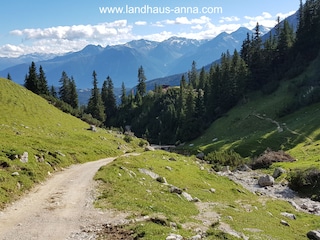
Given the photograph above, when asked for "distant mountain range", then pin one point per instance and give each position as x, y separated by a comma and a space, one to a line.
163, 62
121, 62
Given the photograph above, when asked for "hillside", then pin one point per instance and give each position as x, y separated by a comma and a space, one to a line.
261, 121
170, 195
51, 139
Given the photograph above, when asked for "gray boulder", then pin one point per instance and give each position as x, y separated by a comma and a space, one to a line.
24, 158
200, 155
93, 128
278, 172
174, 189
149, 148
266, 181
289, 215
314, 235
173, 236
244, 168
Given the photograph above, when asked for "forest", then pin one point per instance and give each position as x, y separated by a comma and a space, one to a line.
175, 114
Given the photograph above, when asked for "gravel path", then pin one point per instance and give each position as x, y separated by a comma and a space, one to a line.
59, 208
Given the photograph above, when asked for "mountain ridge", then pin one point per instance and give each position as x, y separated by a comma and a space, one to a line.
159, 59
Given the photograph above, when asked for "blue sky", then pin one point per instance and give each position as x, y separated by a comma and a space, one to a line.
60, 26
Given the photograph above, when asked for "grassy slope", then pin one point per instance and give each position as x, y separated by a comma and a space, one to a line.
249, 135
125, 188
29, 124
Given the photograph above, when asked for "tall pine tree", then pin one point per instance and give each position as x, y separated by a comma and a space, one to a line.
109, 100
42, 82
141, 88
31, 80
95, 104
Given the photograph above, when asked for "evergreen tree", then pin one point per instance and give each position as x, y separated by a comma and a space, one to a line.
109, 99
95, 104
141, 88
42, 82
190, 104
193, 75
64, 90
202, 79
53, 92
308, 39
31, 80
73, 98
245, 51
124, 98
199, 106
9, 77
182, 99
285, 40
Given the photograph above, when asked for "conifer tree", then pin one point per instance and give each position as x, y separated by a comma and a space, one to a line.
53, 92
95, 104
42, 82
73, 98
193, 75
109, 99
245, 51
285, 40
141, 88
202, 79
64, 90
124, 97
9, 77
190, 104
31, 79
182, 98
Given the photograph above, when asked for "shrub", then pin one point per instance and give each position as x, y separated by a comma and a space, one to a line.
224, 158
269, 157
306, 182
128, 138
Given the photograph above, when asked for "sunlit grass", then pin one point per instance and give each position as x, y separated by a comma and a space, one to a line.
28, 123
123, 187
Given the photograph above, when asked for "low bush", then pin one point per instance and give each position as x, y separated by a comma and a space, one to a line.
269, 157
224, 158
306, 182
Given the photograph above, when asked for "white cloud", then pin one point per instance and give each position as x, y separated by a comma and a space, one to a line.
182, 20
158, 24
62, 39
265, 19
197, 27
161, 36
201, 20
11, 50
74, 32
141, 23
285, 15
229, 19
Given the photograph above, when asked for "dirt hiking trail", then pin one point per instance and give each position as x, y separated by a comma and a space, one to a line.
58, 208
